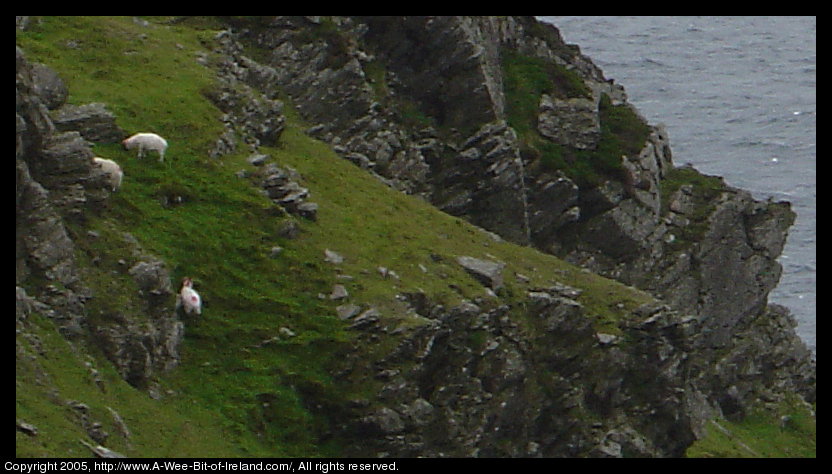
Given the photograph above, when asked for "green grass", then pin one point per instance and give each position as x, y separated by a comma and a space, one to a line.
705, 191
526, 79
46, 383
232, 395
623, 132
763, 433
222, 231
220, 234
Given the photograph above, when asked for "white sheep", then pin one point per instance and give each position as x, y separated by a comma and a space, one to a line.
112, 169
189, 298
146, 141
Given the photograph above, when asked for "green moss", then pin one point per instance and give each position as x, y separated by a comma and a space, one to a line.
709, 187
704, 193
220, 233
788, 430
233, 394
54, 373
526, 78
623, 132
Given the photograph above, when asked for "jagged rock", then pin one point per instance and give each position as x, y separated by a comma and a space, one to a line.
339, 292
682, 201
49, 86
41, 233
153, 280
225, 144
467, 380
308, 210
289, 230
487, 272
648, 168
552, 204
485, 183
483, 394
366, 319
450, 44
246, 98
27, 428
258, 160
347, 311
624, 230
65, 159
33, 124
93, 121
573, 122
102, 452
385, 421
282, 189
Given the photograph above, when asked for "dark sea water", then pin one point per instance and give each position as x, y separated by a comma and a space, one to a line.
738, 97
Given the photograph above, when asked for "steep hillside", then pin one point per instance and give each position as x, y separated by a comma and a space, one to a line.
341, 316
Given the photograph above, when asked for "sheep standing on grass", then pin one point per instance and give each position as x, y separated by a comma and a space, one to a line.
189, 298
146, 141
112, 169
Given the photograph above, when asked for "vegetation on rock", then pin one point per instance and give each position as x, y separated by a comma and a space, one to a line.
273, 367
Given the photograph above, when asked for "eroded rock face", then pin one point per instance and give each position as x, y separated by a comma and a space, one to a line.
573, 122
711, 254
56, 181
49, 86
484, 183
43, 247
93, 121
533, 379
444, 64
474, 382
488, 272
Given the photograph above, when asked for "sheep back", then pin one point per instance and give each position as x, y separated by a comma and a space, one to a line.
112, 169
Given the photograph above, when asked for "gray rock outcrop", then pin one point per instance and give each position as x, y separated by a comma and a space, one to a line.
484, 183
708, 250
573, 122
488, 272
421, 104
55, 182
93, 121
476, 389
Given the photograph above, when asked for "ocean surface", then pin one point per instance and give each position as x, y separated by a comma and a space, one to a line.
738, 97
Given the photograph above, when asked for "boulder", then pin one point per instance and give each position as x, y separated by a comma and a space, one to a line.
153, 281
93, 121
384, 421
487, 272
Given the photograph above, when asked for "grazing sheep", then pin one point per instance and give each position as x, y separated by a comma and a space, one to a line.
189, 298
146, 141
112, 169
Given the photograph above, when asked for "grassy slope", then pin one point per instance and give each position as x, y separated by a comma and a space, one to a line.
763, 433
231, 396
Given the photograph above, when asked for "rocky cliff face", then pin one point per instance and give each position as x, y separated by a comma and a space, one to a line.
422, 103
536, 380
57, 186
437, 107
